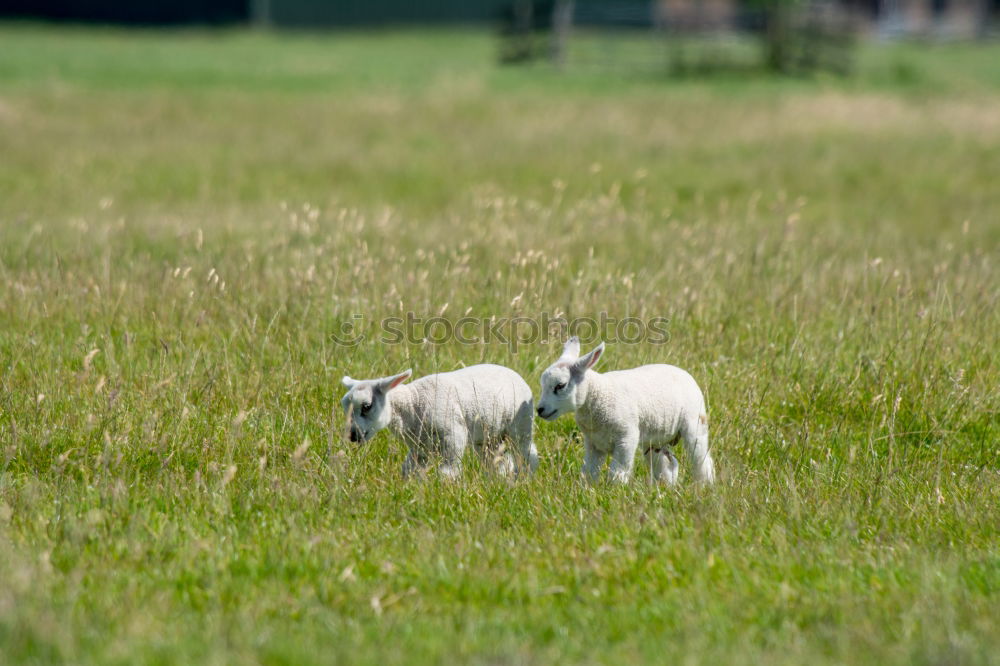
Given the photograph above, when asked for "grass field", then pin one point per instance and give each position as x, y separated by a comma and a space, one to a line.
188, 219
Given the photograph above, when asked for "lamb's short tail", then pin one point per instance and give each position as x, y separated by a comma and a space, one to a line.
696, 443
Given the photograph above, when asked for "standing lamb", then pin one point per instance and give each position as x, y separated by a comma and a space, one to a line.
652, 406
487, 406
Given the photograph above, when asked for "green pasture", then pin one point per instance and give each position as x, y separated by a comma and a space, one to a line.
188, 220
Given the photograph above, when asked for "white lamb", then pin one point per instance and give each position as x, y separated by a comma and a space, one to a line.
487, 406
652, 406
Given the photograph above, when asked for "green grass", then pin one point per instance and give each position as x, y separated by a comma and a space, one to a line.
206, 209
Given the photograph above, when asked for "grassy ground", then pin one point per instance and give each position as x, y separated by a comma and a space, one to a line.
187, 220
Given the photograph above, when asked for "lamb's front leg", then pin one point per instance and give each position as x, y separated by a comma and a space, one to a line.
452, 448
623, 458
593, 459
415, 462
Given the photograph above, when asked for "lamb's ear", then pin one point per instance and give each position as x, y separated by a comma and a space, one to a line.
571, 350
348, 382
390, 383
587, 361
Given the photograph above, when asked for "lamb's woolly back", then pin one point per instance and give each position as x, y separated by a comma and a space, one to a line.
658, 396
484, 396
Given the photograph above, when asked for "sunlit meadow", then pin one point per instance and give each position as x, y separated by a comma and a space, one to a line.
187, 221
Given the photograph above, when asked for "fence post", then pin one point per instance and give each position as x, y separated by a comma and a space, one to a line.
260, 13
562, 20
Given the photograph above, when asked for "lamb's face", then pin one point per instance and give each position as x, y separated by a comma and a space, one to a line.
367, 406
559, 384
561, 381
366, 409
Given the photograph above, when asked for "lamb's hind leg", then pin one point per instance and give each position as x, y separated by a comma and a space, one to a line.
522, 435
696, 442
662, 464
504, 462
497, 456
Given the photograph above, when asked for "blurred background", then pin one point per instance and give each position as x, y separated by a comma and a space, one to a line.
798, 34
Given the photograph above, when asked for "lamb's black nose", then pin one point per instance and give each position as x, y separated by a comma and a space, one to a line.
540, 410
355, 435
